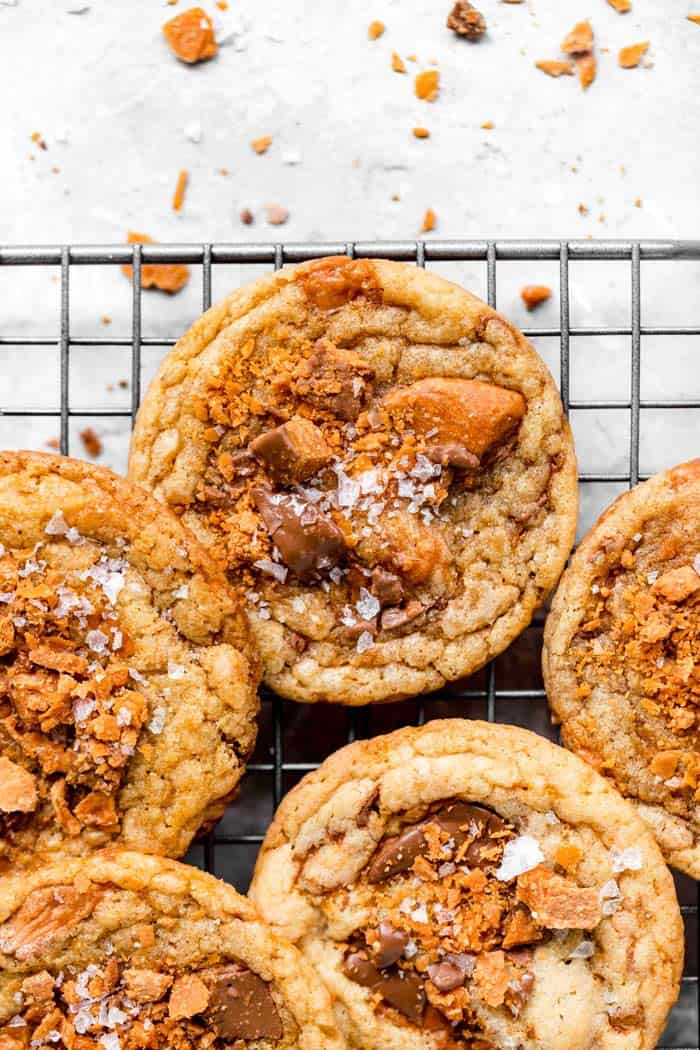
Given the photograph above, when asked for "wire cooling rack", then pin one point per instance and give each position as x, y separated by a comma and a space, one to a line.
295, 738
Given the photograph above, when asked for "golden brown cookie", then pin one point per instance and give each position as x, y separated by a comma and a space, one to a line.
120, 951
466, 884
383, 460
621, 655
128, 677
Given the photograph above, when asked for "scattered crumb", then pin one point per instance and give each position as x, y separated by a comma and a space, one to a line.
488, 125
56, 171
375, 30
638, 202
36, 137
466, 21
91, 442
397, 63
429, 221
512, 1
396, 196
106, 319
586, 65
262, 144
246, 216
166, 277
421, 133
621, 5
193, 131
554, 68
222, 5
180, 187
602, 218
694, 18
291, 157
631, 56
579, 40
53, 443
277, 215
191, 35
412, 58
123, 384
534, 294
583, 209
223, 171
427, 85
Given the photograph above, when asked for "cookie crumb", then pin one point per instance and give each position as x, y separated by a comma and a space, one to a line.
694, 18
631, 56
488, 125
397, 63
246, 216
534, 294
427, 85
429, 221
622, 6
421, 133
53, 443
583, 209
38, 140
638, 202
106, 319
277, 214
180, 187
375, 29
91, 442
466, 21
191, 36
262, 144
167, 277
555, 68
579, 40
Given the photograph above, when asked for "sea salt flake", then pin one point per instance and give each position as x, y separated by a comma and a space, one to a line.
56, 525
583, 950
264, 612
611, 897
157, 723
6, 596
270, 568
291, 157
520, 855
420, 914
696, 563
137, 676
112, 586
110, 1041
193, 131
652, 577
629, 859
97, 641
73, 536
348, 491
82, 709
367, 605
182, 592
298, 604
411, 950
123, 716
175, 671
364, 642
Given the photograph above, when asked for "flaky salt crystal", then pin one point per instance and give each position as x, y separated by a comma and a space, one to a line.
182, 592
583, 950
520, 855
56, 525
367, 605
175, 671
270, 568
364, 642
97, 641
157, 722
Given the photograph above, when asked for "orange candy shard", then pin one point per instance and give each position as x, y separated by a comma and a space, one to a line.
166, 277
631, 56
191, 35
534, 294
555, 68
427, 85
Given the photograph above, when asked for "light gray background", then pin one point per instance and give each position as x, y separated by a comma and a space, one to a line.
116, 108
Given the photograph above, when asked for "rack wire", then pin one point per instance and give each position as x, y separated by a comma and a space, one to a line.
295, 738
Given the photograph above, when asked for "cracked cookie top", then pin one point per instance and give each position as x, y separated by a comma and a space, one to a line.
473, 886
127, 680
381, 459
121, 951
621, 655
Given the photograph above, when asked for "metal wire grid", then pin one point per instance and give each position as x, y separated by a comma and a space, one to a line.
480, 697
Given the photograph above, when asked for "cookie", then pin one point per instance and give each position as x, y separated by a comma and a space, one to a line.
381, 458
121, 951
620, 653
466, 884
128, 677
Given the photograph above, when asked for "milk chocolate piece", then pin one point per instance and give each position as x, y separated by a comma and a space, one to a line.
293, 451
401, 989
391, 946
447, 975
387, 587
453, 454
308, 540
460, 820
241, 1005
393, 618
335, 380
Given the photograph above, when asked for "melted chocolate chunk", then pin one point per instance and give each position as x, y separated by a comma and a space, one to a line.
393, 618
391, 946
293, 451
334, 380
447, 975
241, 1005
401, 989
308, 540
452, 454
387, 588
460, 820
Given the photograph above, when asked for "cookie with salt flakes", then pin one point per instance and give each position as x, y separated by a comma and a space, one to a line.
466, 884
381, 458
128, 682
620, 654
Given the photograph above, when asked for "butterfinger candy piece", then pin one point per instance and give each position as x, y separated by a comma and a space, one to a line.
579, 40
534, 294
333, 379
189, 997
167, 277
191, 35
555, 68
632, 55
557, 902
18, 792
307, 539
466, 413
677, 584
45, 918
241, 1005
293, 451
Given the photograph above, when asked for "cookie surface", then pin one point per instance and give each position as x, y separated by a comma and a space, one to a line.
121, 951
620, 650
382, 459
473, 882
128, 681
